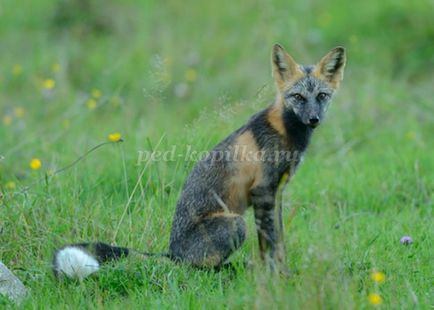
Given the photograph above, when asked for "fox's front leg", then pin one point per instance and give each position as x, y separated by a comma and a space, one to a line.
269, 235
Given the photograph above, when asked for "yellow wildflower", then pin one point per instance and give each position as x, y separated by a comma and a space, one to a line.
10, 185
7, 120
378, 277
66, 123
190, 75
375, 299
165, 76
49, 84
19, 112
96, 93
35, 164
168, 61
410, 135
115, 137
91, 104
116, 101
55, 67
17, 69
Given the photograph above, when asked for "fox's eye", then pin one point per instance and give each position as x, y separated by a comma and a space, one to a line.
322, 96
298, 97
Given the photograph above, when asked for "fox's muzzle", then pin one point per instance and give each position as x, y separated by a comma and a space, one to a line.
314, 121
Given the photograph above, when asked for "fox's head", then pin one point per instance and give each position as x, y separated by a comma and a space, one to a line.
307, 90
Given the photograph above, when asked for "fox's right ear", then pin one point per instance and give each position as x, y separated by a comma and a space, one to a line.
285, 69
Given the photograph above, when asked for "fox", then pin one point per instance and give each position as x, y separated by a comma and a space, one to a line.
249, 168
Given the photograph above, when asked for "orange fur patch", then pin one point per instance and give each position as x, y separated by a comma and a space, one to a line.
275, 119
318, 75
223, 214
285, 70
288, 81
248, 173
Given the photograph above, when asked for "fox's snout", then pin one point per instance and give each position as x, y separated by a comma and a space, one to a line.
314, 121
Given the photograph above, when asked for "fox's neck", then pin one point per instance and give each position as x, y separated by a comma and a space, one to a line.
298, 133
286, 123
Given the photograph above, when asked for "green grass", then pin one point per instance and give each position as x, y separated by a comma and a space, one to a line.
367, 180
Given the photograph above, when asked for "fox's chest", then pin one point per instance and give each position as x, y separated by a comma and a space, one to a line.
282, 168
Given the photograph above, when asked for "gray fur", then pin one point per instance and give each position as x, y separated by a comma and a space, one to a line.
202, 240
195, 236
204, 232
311, 106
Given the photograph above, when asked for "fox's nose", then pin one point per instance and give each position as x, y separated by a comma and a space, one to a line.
314, 121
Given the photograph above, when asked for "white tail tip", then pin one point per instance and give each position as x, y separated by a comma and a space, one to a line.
74, 262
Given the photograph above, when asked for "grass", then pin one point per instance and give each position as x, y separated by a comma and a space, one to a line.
189, 74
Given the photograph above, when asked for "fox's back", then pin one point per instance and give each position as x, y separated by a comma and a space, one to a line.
206, 185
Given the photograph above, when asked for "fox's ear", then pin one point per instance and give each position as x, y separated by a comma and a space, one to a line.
285, 69
331, 66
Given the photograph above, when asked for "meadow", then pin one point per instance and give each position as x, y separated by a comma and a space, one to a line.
187, 74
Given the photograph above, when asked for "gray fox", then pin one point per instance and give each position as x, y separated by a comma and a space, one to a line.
248, 168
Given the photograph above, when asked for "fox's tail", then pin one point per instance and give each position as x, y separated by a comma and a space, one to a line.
82, 259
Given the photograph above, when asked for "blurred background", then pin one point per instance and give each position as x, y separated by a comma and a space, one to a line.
153, 66
163, 73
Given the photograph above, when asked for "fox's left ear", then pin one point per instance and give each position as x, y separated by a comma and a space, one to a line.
331, 66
